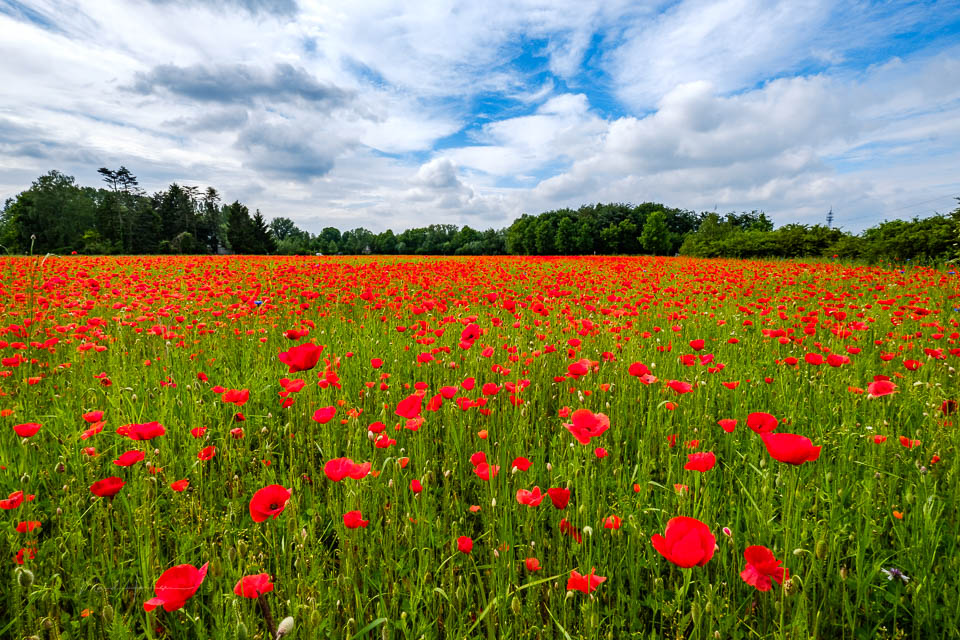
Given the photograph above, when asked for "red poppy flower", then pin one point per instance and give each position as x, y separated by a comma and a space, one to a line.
559, 497
302, 357
530, 498
409, 407
25, 553
253, 586
323, 415
93, 416
92, 431
415, 486
567, 528
679, 386
908, 443
521, 464
727, 424
179, 485
28, 526
587, 583
26, 430
207, 453
879, 388
702, 461
238, 397
107, 488
175, 586
790, 448
354, 520
761, 567
612, 522
532, 564
762, 422
587, 424
837, 360
464, 544
486, 471
814, 359
687, 542
638, 369
697, 345
269, 502
948, 407
129, 458
145, 431
340, 468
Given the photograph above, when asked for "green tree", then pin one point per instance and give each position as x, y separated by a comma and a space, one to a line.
52, 215
239, 228
566, 240
655, 238
263, 242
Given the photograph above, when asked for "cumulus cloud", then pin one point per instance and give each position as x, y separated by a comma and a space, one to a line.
380, 114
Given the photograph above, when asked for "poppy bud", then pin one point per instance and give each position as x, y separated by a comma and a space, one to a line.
286, 626
232, 554
61, 468
46, 624
351, 626
59, 511
843, 573
515, 606
695, 612
216, 568
316, 619
821, 549
24, 479
25, 578
242, 631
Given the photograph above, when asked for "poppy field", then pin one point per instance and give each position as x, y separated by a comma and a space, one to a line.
596, 447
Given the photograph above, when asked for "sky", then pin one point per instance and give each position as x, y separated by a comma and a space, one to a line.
392, 114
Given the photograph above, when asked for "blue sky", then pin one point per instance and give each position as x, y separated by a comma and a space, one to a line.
389, 114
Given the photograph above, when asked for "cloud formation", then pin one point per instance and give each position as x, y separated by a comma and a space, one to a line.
386, 115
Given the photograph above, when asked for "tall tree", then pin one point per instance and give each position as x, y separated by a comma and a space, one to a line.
263, 242
655, 237
239, 228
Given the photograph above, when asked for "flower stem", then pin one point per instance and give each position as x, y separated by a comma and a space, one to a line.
267, 617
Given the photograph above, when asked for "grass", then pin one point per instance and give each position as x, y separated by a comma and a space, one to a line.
151, 325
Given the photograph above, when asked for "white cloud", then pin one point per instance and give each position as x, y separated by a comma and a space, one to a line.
331, 114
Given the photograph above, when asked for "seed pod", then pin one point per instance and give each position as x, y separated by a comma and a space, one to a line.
25, 578
286, 626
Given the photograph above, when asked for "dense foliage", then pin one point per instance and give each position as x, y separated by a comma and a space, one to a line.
57, 215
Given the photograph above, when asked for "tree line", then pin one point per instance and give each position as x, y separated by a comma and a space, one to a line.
59, 216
